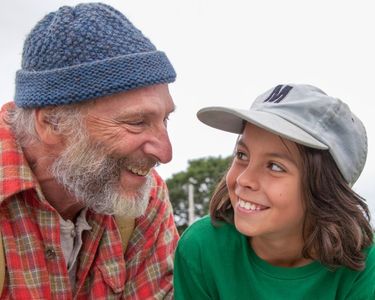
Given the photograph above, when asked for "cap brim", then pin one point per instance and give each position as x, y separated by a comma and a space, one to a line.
231, 120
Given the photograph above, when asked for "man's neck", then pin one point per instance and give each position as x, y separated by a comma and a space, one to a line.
56, 195
61, 200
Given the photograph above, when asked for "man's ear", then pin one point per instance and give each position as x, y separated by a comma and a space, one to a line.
46, 130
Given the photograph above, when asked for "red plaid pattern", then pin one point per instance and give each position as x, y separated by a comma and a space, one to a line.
36, 268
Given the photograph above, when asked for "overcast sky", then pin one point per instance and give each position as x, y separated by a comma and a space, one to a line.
229, 52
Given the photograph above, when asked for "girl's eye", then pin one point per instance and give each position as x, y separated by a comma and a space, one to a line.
276, 167
240, 155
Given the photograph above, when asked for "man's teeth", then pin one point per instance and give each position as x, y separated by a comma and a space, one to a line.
248, 205
138, 171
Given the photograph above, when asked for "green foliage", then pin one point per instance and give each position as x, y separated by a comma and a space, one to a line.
204, 174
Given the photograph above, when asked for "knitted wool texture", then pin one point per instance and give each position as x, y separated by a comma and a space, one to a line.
84, 52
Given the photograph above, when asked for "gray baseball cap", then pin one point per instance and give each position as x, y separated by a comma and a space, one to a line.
303, 114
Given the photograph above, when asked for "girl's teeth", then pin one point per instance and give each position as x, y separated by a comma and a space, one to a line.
248, 205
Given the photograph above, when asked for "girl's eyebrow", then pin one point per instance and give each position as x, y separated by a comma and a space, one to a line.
279, 155
283, 156
240, 142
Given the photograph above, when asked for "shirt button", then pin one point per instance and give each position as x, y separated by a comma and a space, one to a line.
50, 253
73, 233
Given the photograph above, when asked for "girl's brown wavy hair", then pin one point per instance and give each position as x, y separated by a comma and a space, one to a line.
337, 221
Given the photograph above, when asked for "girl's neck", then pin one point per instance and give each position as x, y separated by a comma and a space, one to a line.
286, 252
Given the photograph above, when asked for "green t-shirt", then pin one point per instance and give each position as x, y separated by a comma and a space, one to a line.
218, 263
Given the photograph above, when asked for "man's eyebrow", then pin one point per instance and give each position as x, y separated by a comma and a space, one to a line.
129, 113
139, 112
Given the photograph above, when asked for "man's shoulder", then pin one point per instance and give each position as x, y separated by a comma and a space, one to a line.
159, 185
159, 192
158, 181
5, 132
159, 207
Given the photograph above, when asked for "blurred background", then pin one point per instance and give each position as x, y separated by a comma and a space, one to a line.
227, 53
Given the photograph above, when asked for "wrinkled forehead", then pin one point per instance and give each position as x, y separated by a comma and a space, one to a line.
147, 100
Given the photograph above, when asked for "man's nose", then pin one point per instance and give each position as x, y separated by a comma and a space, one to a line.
160, 147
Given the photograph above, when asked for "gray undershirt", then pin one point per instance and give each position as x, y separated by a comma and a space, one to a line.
71, 241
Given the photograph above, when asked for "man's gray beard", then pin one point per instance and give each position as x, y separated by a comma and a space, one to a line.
93, 178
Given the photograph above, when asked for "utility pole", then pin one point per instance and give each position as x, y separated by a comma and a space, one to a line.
191, 200
191, 203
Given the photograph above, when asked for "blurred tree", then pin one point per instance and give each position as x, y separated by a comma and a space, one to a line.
203, 174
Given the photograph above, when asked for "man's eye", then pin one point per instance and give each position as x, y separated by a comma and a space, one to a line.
136, 123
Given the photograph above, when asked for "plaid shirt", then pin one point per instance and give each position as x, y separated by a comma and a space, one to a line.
35, 263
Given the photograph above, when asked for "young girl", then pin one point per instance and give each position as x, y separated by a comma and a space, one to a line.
284, 222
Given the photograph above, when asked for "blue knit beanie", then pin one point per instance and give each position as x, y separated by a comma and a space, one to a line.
83, 52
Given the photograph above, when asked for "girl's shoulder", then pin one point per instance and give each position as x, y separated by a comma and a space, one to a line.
370, 258
362, 286
204, 228
369, 252
203, 234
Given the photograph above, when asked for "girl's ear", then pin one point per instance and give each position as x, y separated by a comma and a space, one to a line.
46, 130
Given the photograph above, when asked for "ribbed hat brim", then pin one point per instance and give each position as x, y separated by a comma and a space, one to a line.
91, 80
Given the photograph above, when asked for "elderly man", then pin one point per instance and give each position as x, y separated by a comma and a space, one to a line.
79, 145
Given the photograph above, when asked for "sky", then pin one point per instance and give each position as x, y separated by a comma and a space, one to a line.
229, 52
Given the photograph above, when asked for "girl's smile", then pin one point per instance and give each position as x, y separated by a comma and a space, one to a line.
249, 207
